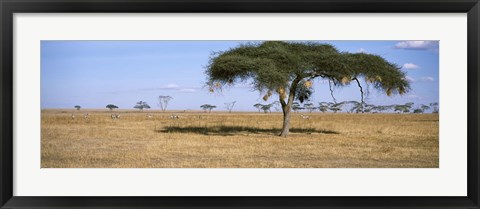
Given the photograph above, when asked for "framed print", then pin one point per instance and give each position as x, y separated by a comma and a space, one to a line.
265, 104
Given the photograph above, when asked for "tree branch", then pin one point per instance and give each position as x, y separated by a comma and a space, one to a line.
293, 89
361, 91
331, 90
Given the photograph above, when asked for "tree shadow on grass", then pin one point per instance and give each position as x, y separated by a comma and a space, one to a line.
232, 130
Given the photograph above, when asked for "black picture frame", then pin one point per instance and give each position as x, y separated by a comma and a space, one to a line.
9, 7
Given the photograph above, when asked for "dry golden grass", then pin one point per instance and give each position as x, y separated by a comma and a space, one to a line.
237, 140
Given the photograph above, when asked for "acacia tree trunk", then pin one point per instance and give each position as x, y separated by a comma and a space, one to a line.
286, 120
287, 107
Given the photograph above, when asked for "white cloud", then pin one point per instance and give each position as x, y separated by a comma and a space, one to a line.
172, 86
187, 90
410, 66
361, 50
427, 78
409, 79
417, 45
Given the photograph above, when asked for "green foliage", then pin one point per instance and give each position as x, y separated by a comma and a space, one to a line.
208, 107
111, 106
274, 65
323, 106
418, 110
266, 108
310, 107
434, 105
258, 106
77, 107
403, 108
142, 105
296, 107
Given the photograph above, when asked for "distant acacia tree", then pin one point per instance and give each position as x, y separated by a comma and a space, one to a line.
335, 107
424, 107
163, 102
230, 105
381, 108
141, 105
296, 107
354, 106
403, 108
111, 107
310, 107
77, 107
266, 108
258, 106
208, 107
418, 110
323, 106
434, 105
289, 68
421, 109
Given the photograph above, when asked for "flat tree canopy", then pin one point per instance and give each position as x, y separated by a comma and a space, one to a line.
288, 69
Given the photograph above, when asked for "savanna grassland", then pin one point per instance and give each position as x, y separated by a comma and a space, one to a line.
237, 140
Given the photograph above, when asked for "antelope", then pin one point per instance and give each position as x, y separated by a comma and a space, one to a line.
73, 116
85, 116
305, 116
115, 116
149, 116
174, 116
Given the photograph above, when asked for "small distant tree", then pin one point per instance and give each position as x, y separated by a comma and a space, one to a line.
77, 107
335, 107
266, 108
310, 107
141, 105
230, 105
163, 102
353, 106
403, 108
111, 106
323, 107
418, 110
208, 107
296, 107
368, 108
434, 105
424, 107
381, 108
258, 106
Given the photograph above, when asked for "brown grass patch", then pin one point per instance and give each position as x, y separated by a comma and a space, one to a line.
237, 140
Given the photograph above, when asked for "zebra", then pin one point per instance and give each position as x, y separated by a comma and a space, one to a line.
174, 116
73, 117
305, 116
115, 116
85, 116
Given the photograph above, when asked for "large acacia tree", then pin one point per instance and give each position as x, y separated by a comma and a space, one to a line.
287, 69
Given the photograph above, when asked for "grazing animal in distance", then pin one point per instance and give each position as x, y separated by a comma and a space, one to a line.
305, 116
115, 116
73, 116
149, 116
85, 116
174, 116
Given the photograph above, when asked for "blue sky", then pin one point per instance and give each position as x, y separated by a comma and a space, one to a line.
93, 74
